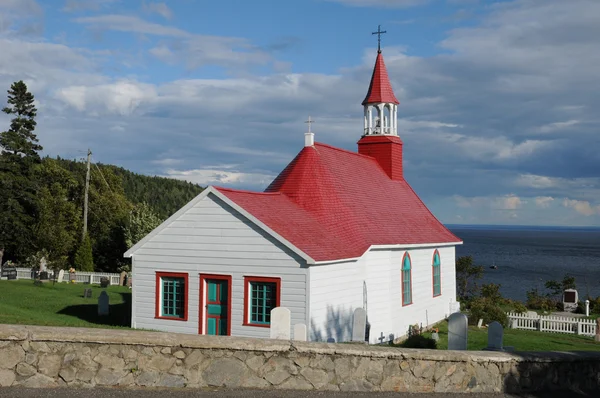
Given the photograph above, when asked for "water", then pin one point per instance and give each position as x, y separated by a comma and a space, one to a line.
528, 256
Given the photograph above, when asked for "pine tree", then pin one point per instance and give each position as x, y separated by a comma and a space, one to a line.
84, 260
17, 187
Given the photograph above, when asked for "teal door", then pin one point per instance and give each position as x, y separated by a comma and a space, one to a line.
217, 293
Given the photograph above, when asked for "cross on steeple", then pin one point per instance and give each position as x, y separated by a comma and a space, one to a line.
379, 33
309, 121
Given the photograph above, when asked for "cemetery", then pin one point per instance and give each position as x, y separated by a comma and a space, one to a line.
63, 304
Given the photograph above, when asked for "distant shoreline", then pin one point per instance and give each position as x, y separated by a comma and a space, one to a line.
523, 227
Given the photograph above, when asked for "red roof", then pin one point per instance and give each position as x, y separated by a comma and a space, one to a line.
380, 89
334, 204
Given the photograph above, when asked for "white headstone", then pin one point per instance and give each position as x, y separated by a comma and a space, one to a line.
587, 307
435, 336
281, 323
532, 314
457, 331
103, 303
454, 307
43, 263
61, 275
480, 323
495, 336
359, 325
300, 332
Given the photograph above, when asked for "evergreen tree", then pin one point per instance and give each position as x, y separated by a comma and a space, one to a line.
84, 260
17, 160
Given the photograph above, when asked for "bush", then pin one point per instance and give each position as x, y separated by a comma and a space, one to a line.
419, 341
491, 291
84, 260
518, 307
536, 301
487, 310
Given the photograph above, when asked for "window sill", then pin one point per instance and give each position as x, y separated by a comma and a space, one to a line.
256, 325
437, 295
170, 318
407, 304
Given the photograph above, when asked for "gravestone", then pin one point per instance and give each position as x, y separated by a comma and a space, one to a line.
43, 264
532, 314
435, 336
87, 293
480, 323
122, 278
129, 281
597, 337
102, 303
61, 275
454, 307
457, 331
280, 323
331, 340
72, 277
495, 337
359, 325
300, 332
570, 299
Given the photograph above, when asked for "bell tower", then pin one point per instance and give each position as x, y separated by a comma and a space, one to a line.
380, 139
380, 104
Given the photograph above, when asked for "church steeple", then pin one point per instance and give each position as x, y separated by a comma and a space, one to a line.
380, 139
380, 103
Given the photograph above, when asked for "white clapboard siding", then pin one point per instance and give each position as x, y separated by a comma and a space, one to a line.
374, 281
213, 238
335, 291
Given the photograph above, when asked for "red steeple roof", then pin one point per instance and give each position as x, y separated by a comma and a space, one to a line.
380, 89
333, 204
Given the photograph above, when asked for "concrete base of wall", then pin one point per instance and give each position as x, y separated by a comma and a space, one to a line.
74, 357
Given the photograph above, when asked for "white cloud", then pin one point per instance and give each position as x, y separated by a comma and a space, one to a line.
219, 175
121, 98
558, 126
381, 3
544, 201
125, 23
159, 8
82, 5
582, 206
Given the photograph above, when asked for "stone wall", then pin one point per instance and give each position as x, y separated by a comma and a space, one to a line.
59, 357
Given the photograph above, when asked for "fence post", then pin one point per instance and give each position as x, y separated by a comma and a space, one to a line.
579, 328
539, 325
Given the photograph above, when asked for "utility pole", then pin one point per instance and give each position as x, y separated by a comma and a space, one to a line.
85, 197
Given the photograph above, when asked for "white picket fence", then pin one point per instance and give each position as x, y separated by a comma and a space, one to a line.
80, 277
552, 324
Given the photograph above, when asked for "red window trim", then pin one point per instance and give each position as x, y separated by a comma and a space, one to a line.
406, 254
202, 323
157, 297
247, 280
433, 273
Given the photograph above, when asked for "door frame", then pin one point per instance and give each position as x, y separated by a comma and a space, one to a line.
202, 318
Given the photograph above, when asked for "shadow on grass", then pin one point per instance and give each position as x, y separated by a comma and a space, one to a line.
118, 315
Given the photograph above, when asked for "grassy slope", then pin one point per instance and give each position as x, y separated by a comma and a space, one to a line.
21, 302
523, 340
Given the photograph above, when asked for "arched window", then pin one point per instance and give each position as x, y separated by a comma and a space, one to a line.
406, 280
437, 275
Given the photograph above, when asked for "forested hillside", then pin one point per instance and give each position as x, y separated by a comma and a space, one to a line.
42, 201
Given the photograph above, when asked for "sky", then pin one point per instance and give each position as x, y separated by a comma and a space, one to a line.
498, 99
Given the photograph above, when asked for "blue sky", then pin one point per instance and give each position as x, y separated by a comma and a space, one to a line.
498, 108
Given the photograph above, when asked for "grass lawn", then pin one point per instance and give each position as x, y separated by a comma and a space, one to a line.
21, 302
522, 340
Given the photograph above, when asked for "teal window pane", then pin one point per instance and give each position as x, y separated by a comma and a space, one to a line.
437, 285
263, 298
173, 297
406, 282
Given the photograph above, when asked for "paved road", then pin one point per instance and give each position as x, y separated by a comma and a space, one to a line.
172, 393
